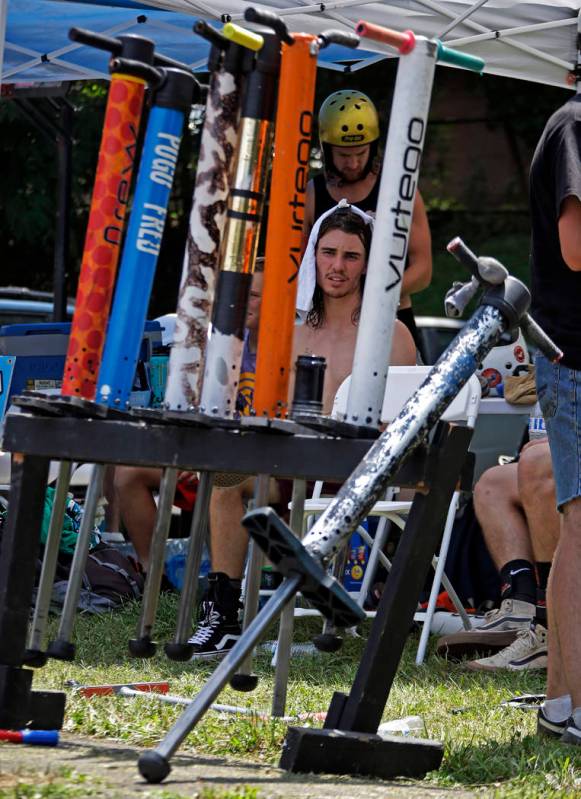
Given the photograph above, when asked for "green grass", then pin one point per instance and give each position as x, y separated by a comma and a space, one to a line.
51, 784
68, 784
487, 746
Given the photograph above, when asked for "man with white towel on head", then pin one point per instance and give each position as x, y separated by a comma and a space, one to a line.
330, 292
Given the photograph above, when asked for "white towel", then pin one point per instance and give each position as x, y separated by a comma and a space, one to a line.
308, 268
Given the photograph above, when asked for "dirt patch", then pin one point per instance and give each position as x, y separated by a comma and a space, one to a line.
111, 771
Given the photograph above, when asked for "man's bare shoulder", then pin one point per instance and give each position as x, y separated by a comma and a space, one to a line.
403, 348
300, 338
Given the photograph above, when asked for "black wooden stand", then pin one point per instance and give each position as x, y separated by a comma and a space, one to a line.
347, 744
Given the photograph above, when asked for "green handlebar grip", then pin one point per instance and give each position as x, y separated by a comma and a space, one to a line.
449, 56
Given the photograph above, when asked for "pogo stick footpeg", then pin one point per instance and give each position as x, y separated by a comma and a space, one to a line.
61, 649
179, 652
286, 552
244, 682
35, 658
328, 642
142, 647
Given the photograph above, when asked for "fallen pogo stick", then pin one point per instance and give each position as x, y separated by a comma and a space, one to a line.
303, 564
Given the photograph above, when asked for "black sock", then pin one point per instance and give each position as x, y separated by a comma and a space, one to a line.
543, 570
517, 578
225, 592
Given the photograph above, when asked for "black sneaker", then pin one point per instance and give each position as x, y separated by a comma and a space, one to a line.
547, 728
218, 626
214, 636
571, 734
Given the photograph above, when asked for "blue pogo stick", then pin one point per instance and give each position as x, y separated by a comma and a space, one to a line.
172, 98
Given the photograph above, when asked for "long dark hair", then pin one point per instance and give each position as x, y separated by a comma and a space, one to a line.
347, 221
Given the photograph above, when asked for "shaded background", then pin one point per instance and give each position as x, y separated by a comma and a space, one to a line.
480, 140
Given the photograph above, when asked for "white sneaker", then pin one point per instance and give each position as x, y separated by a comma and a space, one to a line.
528, 651
497, 631
511, 615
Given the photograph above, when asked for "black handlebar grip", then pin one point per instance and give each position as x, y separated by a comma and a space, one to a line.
165, 61
210, 34
345, 38
97, 40
126, 45
137, 68
538, 336
271, 20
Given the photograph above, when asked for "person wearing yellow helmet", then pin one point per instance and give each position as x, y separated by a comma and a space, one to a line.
349, 132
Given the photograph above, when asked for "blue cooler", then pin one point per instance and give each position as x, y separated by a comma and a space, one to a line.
356, 563
32, 358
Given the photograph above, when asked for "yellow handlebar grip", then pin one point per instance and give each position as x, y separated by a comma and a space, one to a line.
246, 38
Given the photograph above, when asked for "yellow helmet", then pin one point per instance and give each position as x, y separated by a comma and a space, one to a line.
348, 118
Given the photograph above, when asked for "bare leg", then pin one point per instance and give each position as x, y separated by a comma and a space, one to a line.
135, 488
537, 492
564, 585
500, 513
228, 539
112, 515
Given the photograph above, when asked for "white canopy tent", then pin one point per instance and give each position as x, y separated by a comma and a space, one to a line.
534, 40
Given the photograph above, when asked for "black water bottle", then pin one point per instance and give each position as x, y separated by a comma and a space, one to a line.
309, 381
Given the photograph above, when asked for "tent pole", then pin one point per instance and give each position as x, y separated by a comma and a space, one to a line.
460, 18
476, 26
504, 32
64, 145
3, 15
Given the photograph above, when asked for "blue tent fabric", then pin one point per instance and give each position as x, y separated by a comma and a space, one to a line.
37, 47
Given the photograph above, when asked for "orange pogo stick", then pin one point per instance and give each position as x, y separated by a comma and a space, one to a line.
292, 146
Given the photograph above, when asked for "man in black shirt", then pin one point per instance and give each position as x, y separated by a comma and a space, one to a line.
555, 194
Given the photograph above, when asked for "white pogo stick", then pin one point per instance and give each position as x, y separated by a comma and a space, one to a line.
397, 192
389, 244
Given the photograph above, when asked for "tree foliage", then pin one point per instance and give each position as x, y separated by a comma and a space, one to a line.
28, 188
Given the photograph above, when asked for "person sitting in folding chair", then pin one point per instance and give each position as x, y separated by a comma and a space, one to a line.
331, 282
135, 486
515, 507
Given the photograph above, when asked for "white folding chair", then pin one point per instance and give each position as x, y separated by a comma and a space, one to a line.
402, 381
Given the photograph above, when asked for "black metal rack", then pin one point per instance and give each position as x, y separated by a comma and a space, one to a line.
282, 449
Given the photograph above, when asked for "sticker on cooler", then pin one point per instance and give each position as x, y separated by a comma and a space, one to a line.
358, 555
537, 427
